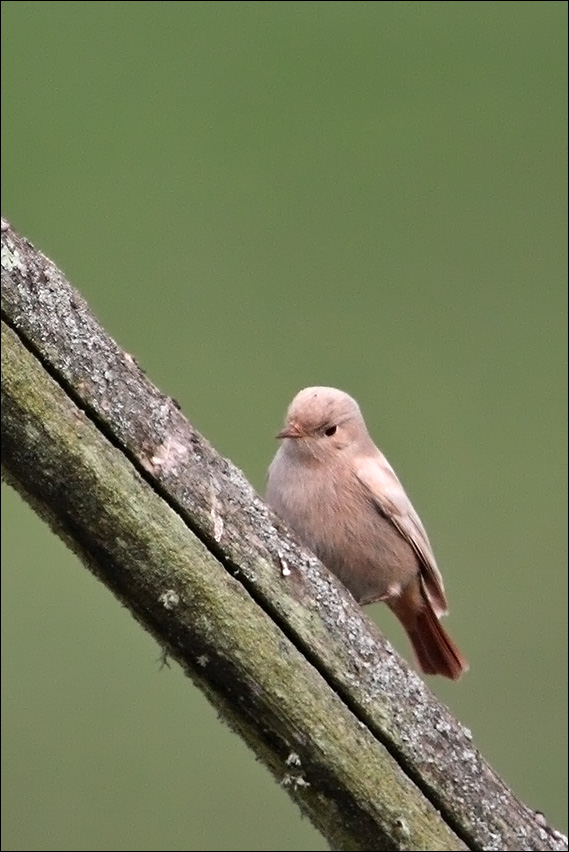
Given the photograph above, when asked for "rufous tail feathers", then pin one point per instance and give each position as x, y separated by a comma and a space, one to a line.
435, 650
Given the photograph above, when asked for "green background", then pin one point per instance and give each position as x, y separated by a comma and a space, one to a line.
258, 196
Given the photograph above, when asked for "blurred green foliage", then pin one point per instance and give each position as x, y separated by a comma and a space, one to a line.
256, 196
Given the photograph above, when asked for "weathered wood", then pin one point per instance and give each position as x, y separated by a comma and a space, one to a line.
272, 638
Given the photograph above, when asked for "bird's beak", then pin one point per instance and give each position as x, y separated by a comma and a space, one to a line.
291, 430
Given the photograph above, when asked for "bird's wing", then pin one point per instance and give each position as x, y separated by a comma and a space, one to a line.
383, 487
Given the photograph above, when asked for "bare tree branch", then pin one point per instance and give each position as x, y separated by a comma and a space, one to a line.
275, 642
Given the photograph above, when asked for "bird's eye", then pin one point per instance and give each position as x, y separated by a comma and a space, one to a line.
331, 430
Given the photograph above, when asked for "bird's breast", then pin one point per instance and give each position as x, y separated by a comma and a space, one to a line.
333, 515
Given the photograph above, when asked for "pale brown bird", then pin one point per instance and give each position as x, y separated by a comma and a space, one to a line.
339, 493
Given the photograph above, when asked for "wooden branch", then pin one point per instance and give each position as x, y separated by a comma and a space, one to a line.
275, 642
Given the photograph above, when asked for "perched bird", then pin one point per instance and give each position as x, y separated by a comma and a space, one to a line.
339, 493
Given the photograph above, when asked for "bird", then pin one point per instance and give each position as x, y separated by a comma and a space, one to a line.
336, 490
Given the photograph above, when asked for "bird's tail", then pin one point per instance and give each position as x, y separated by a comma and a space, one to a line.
435, 650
